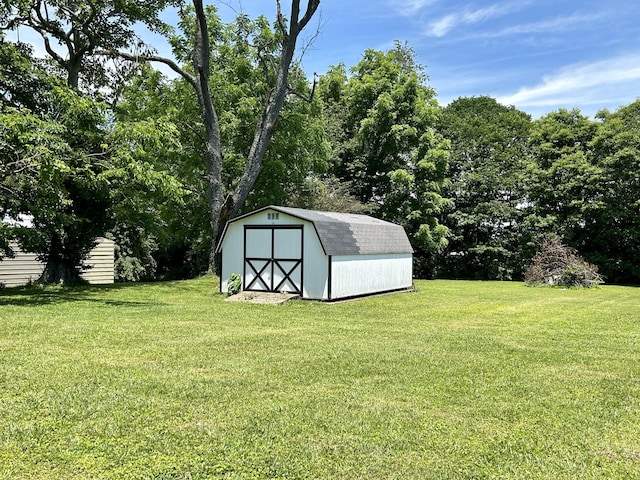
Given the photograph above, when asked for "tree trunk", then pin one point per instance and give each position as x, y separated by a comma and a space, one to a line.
223, 207
74, 65
213, 154
268, 121
60, 273
58, 269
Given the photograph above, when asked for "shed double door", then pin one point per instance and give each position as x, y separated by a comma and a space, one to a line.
273, 258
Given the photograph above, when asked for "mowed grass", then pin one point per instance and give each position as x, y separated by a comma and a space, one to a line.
457, 380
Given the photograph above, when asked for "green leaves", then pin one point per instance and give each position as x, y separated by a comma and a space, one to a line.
133, 147
614, 225
81, 27
385, 149
488, 155
52, 182
74, 172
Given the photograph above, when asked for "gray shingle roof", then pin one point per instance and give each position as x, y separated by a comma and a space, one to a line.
351, 234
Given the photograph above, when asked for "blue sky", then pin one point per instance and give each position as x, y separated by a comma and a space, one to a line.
539, 55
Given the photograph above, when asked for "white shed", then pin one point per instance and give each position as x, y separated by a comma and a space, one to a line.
319, 255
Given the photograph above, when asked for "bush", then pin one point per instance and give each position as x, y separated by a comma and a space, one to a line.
134, 249
557, 264
234, 284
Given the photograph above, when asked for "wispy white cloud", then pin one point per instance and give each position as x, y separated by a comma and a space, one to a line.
442, 26
558, 24
411, 7
582, 84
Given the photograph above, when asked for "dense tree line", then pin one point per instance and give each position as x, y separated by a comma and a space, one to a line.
95, 141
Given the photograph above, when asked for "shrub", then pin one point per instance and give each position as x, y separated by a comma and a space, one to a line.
557, 264
234, 284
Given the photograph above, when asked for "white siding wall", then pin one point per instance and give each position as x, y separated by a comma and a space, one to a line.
101, 259
21, 269
232, 252
355, 275
24, 268
315, 264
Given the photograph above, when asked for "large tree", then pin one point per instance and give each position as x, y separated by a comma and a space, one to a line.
584, 186
224, 204
73, 31
562, 179
489, 157
238, 77
613, 216
62, 167
51, 162
381, 123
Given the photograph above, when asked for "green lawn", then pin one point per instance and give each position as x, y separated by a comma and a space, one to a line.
456, 380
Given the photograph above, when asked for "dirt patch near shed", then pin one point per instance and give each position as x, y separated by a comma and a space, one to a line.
267, 298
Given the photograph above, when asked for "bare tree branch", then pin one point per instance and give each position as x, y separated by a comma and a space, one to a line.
312, 6
280, 18
311, 39
306, 98
150, 58
47, 46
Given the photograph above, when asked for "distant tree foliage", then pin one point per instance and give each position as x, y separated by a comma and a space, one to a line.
95, 142
584, 186
612, 219
562, 180
486, 183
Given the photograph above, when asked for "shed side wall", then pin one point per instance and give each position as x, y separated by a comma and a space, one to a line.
356, 275
232, 251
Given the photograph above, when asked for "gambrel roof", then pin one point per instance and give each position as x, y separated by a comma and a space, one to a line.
350, 234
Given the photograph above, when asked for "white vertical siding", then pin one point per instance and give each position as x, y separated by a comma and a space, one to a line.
316, 266
24, 268
232, 254
287, 243
356, 275
258, 243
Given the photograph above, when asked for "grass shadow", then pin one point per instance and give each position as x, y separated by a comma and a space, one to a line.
37, 295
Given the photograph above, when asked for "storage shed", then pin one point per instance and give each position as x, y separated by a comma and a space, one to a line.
25, 267
318, 255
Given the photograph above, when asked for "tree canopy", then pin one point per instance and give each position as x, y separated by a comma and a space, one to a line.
63, 167
50, 142
489, 156
386, 150
73, 31
196, 46
94, 141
